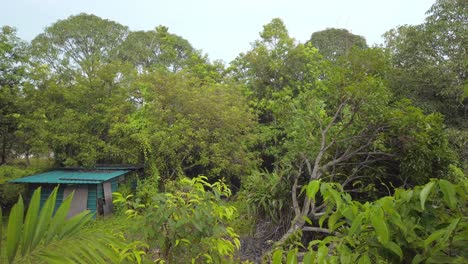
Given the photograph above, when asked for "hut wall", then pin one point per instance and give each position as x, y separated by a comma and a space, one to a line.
92, 198
46, 190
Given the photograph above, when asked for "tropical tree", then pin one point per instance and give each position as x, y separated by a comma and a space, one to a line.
264, 67
186, 126
349, 129
429, 60
81, 43
333, 42
84, 88
157, 49
13, 64
275, 69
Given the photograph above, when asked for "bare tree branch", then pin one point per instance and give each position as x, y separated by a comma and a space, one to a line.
296, 207
316, 229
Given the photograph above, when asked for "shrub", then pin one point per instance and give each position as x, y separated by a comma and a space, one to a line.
188, 223
9, 192
267, 195
426, 224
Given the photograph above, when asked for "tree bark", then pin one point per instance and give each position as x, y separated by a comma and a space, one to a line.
4, 147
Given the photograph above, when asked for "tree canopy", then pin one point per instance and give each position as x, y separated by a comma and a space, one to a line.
328, 145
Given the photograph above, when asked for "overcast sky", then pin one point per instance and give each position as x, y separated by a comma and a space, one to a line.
222, 28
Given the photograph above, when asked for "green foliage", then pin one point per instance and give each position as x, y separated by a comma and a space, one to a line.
333, 43
189, 223
39, 234
350, 120
118, 225
458, 139
8, 172
13, 69
420, 144
9, 192
425, 224
274, 71
429, 61
267, 195
244, 221
82, 42
1, 234
189, 127
159, 50
80, 90
90, 91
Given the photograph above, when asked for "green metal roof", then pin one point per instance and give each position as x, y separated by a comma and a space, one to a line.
72, 176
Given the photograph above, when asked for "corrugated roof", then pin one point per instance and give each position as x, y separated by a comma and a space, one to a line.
105, 167
72, 176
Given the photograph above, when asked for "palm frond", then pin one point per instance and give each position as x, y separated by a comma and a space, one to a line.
52, 238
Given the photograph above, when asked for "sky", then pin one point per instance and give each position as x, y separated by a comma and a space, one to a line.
221, 28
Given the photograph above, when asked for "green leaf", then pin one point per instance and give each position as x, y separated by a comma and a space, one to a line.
312, 189
307, 219
58, 221
380, 225
441, 236
351, 211
364, 259
336, 197
396, 220
30, 221
417, 259
1, 233
50, 258
322, 219
395, 249
433, 237
44, 218
439, 259
356, 225
308, 258
347, 257
449, 191
74, 224
278, 256
425, 193
332, 220
292, 257
322, 254
15, 225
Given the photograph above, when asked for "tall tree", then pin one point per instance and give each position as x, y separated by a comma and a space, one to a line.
13, 60
85, 88
157, 49
430, 65
187, 126
82, 43
274, 70
264, 68
333, 42
350, 130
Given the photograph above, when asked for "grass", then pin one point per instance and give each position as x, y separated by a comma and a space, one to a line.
116, 224
244, 222
39, 164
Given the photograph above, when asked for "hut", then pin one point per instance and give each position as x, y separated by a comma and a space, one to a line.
92, 188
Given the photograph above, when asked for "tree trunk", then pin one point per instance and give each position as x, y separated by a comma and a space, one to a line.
26, 155
4, 147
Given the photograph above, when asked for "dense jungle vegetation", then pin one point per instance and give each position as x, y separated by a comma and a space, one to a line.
328, 151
